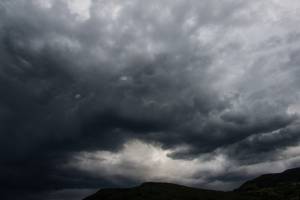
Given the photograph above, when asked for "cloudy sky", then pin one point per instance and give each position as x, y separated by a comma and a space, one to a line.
97, 93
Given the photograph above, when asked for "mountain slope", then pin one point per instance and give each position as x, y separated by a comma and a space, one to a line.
291, 176
279, 186
163, 191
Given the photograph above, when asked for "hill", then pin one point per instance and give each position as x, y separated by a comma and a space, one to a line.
279, 186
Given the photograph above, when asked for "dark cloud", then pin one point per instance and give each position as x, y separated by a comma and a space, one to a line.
205, 80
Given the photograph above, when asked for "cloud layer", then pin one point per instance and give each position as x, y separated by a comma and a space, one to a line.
191, 81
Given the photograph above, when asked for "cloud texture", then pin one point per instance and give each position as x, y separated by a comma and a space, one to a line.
85, 84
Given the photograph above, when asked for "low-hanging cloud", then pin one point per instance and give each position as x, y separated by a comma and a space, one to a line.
91, 76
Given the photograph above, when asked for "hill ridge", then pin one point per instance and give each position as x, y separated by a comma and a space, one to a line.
274, 186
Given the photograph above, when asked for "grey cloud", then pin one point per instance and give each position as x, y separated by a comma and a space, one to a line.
206, 75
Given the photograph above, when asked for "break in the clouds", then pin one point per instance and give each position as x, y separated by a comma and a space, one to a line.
101, 93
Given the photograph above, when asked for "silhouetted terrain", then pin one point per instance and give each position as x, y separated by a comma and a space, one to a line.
279, 186
285, 185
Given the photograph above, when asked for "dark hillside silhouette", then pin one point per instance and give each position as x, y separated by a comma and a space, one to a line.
277, 186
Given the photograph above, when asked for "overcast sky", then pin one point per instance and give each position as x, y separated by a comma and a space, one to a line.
97, 93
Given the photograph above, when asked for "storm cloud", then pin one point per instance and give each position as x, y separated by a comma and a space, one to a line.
89, 89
